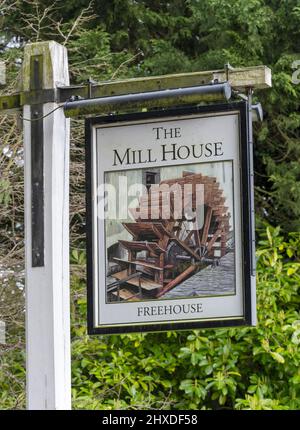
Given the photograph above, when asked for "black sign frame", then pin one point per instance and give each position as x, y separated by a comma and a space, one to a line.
247, 209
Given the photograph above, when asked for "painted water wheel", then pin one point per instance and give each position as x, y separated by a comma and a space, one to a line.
171, 241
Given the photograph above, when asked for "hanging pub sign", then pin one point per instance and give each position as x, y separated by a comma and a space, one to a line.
170, 220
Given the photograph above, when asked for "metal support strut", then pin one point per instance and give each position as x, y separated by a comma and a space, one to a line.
161, 98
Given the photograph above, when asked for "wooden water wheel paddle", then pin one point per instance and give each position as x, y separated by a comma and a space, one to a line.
173, 235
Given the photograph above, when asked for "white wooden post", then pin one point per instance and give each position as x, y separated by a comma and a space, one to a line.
47, 283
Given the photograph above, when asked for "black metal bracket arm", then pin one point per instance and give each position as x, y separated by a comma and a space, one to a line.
149, 99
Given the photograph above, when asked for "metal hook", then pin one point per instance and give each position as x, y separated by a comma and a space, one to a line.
227, 68
90, 83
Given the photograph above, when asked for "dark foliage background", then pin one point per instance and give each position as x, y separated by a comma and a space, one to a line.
126, 38
112, 39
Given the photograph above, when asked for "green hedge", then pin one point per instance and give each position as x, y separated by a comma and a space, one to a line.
240, 368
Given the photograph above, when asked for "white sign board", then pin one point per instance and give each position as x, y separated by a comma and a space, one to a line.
169, 219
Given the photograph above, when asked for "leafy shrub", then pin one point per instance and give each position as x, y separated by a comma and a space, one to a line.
240, 368
236, 368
